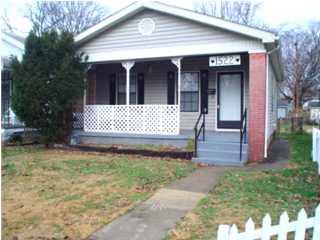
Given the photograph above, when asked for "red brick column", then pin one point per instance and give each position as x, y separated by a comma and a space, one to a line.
256, 110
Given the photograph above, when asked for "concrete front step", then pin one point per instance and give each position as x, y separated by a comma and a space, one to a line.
220, 139
234, 147
233, 155
218, 162
221, 153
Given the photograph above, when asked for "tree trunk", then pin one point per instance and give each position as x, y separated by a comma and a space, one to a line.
297, 116
68, 125
297, 121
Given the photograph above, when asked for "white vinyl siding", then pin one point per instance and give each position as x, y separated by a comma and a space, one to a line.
272, 105
170, 31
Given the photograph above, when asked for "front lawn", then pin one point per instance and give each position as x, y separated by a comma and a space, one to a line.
244, 194
51, 194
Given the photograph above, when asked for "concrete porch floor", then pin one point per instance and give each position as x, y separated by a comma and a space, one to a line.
180, 140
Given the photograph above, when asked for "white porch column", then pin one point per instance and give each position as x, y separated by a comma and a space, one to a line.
177, 62
128, 65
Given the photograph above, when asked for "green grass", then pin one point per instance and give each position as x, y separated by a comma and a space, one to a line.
60, 194
244, 194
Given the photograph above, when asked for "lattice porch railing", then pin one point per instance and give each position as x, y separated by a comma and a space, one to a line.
139, 119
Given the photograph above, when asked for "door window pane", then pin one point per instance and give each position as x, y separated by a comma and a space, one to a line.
230, 97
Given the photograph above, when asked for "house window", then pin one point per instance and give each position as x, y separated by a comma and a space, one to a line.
122, 89
189, 92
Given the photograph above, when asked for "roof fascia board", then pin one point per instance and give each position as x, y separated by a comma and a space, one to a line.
108, 22
212, 21
12, 41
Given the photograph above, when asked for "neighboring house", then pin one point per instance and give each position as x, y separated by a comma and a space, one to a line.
284, 107
314, 107
156, 68
313, 102
11, 45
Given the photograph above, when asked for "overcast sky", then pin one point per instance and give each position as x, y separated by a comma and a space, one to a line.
273, 12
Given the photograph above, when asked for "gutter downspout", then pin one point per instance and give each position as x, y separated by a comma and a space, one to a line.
266, 128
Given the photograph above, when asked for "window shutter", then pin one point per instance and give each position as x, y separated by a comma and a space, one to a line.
112, 89
171, 88
140, 88
204, 91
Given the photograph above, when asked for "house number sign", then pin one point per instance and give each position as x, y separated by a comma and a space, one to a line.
225, 60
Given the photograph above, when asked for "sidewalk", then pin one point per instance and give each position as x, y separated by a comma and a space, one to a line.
155, 217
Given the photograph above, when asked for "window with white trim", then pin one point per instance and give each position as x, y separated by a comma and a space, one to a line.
121, 94
189, 92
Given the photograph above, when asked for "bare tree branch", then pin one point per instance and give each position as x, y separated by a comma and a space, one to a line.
301, 61
242, 12
6, 25
71, 16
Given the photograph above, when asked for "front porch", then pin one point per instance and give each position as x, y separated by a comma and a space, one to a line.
158, 102
219, 148
164, 96
180, 140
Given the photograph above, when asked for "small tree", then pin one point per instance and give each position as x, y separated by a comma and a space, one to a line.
301, 61
47, 82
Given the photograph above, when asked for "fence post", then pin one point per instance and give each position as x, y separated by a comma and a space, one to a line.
284, 223
249, 229
233, 232
266, 225
316, 225
314, 137
317, 160
301, 225
223, 232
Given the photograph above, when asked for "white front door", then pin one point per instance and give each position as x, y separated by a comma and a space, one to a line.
230, 101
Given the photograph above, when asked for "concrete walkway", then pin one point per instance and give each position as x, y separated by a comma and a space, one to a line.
155, 217
278, 157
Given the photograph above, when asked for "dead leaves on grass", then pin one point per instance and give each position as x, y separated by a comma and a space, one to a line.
45, 201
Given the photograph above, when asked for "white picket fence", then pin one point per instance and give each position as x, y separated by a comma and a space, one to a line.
316, 147
298, 227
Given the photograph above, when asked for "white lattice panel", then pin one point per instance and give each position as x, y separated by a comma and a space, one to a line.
139, 119
78, 120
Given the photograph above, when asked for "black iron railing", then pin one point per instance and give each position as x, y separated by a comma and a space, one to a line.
243, 131
197, 131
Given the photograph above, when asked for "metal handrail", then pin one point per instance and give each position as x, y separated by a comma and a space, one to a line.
243, 131
197, 131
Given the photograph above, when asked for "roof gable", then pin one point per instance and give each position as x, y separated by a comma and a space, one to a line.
136, 7
169, 31
13, 39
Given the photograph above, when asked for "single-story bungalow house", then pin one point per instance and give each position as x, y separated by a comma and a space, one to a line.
162, 74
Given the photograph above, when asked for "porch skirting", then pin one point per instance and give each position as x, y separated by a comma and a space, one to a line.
137, 119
